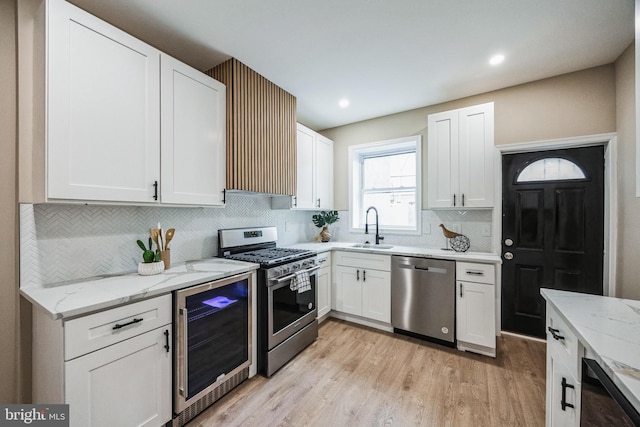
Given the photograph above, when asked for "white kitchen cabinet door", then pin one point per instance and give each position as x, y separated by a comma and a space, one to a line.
560, 377
442, 183
126, 384
323, 284
193, 142
324, 172
461, 157
305, 153
475, 313
376, 295
348, 290
103, 103
476, 154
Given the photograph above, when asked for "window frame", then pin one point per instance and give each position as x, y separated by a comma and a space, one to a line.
382, 148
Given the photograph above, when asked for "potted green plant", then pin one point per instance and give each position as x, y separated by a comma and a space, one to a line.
323, 220
151, 262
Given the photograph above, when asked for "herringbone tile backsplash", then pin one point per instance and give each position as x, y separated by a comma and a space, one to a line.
60, 243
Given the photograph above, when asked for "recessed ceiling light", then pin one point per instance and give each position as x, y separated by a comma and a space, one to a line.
496, 59
343, 103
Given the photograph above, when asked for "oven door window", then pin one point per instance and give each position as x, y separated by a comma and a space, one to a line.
217, 330
289, 306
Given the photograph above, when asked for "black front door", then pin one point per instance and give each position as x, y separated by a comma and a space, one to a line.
552, 230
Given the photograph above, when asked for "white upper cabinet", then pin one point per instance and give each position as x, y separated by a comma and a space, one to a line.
193, 141
305, 167
324, 172
122, 122
103, 108
314, 173
461, 157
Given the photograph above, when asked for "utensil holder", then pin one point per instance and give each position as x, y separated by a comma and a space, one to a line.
165, 256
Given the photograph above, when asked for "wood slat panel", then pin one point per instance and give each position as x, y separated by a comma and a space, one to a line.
261, 131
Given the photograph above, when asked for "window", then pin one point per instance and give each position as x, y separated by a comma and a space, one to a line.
552, 169
386, 175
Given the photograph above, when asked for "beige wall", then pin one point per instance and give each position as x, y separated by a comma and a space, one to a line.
580, 103
628, 285
9, 364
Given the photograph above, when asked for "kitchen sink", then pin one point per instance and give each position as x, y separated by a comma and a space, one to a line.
371, 246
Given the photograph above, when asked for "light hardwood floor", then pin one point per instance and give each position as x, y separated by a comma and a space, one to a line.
357, 376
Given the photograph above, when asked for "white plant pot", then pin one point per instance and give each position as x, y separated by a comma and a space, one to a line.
150, 268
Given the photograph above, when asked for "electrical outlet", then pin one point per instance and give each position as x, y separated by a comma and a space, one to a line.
486, 230
455, 227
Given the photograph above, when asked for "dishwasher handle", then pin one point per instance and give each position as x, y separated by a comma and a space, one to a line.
426, 269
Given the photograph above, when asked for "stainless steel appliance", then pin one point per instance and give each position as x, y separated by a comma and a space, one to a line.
212, 354
602, 404
286, 317
423, 297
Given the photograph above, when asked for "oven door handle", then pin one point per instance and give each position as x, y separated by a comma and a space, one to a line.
290, 276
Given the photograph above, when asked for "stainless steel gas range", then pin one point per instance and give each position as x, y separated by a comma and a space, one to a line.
286, 313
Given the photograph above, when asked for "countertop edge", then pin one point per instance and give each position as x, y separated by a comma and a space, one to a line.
106, 299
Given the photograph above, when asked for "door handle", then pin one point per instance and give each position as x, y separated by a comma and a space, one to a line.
364, 275
357, 274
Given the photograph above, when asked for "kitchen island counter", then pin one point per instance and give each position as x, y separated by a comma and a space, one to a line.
609, 329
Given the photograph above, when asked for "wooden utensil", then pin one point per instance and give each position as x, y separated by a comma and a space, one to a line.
168, 237
154, 235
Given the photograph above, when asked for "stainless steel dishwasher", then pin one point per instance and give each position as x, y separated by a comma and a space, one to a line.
423, 297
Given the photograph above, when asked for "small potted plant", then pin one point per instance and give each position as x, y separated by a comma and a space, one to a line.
323, 220
151, 262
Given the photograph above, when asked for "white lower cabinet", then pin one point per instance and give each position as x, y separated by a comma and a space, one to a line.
323, 285
113, 368
564, 367
363, 285
475, 308
126, 384
563, 394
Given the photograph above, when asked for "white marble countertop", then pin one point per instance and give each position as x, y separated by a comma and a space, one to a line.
99, 293
609, 328
402, 250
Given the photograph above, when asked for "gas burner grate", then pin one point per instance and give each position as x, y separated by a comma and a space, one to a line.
270, 255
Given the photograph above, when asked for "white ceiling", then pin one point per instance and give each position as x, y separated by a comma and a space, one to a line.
384, 56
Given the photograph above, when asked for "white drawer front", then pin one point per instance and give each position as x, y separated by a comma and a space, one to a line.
95, 331
371, 261
564, 345
324, 259
473, 272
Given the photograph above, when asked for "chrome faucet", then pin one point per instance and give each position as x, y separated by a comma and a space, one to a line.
366, 225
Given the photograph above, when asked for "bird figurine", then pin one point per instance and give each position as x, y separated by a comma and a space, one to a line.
459, 242
448, 233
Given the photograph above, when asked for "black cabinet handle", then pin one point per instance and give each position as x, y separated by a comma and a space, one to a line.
454, 200
555, 334
155, 190
357, 274
166, 336
118, 326
563, 402
224, 196
462, 199
295, 201
364, 275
